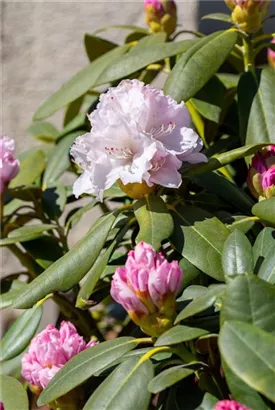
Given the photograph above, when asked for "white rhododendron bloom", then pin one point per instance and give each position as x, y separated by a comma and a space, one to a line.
138, 135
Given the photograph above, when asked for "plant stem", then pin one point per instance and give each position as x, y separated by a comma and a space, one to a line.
248, 55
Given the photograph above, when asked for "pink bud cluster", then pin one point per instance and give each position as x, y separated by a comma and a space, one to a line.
9, 165
230, 405
49, 351
161, 15
146, 287
261, 173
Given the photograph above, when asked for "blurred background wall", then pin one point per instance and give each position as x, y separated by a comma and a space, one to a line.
42, 47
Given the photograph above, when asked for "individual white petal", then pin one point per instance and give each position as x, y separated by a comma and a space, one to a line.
168, 174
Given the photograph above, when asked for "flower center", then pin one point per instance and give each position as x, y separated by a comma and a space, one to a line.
119, 153
163, 130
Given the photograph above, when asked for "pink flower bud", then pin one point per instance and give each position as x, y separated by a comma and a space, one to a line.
261, 173
271, 55
146, 287
230, 405
2, 406
161, 15
9, 166
49, 351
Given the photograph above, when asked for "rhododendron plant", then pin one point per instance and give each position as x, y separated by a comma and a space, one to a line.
166, 160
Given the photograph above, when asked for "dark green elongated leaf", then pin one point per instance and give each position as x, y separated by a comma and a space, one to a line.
250, 299
168, 378
192, 292
59, 161
154, 219
7, 299
179, 334
26, 233
256, 106
79, 84
121, 27
127, 385
72, 111
75, 217
147, 41
225, 189
67, 271
202, 303
250, 353
242, 392
44, 131
267, 269
44, 250
265, 243
199, 237
209, 402
237, 256
223, 159
27, 192
218, 16
208, 101
93, 276
54, 200
31, 168
132, 62
12, 394
265, 210
188, 77
96, 46
20, 333
84, 365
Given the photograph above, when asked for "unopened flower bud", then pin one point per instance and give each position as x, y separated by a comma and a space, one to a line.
248, 15
136, 190
261, 173
271, 55
9, 165
161, 15
230, 405
146, 287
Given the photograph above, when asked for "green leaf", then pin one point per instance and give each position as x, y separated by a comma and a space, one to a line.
154, 219
250, 299
237, 256
18, 336
150, 40
121, 27
44, 131
223, 159
7, 299
265, 243
44, 250
168, 378
218, 16
54, 200
190, 272
12, 394
27, 193
256, 106
127, 385
225, 189
242, 392
96, 46
267, 269
265, 210
249, 353
187, 76
209, 402
31, 168
202, 303
79, 84
84, 365
179, 334
130, 63
26, 233
242, 223
67, 271
192, 292
59, 161
199, 237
